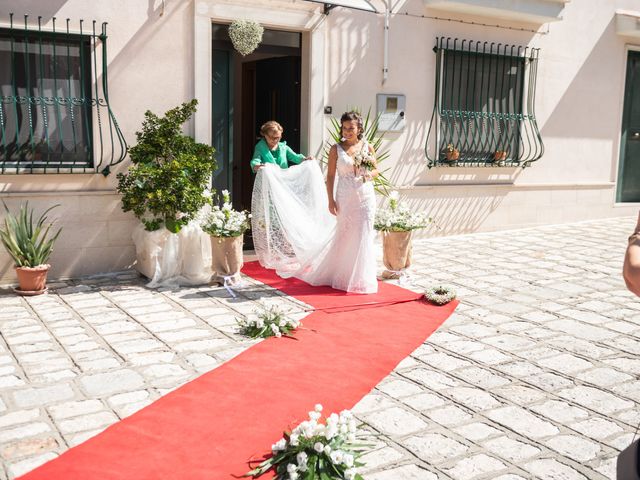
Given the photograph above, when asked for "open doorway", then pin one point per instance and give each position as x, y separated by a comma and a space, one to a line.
248, 91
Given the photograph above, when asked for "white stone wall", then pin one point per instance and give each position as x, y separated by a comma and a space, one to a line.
153, 65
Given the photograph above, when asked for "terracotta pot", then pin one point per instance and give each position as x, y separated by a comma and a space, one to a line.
226, 259
33, 279
452, 156
500, 155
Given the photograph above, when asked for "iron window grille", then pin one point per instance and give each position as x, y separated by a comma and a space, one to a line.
483, 113
54, 102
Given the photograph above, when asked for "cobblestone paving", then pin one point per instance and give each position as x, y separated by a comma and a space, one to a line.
534, 376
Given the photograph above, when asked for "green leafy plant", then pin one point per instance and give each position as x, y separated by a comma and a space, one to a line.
170, 173
371, 126
28, 242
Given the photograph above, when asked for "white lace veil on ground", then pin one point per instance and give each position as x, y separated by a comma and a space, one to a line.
291, 223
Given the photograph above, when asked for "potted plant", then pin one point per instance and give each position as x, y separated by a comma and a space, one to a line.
29, 245
226, 227
397, 222
452, 153
166, 185
500, 155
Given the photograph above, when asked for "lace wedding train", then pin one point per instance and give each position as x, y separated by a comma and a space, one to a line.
295, 234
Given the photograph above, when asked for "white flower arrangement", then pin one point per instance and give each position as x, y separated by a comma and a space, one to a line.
245, 35
269, 320
316, 449
440, 295
398, 217
225, 221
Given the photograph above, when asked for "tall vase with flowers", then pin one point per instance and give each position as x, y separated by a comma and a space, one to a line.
226, 228
397, 223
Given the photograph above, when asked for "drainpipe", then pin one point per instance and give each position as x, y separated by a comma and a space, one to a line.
385, 67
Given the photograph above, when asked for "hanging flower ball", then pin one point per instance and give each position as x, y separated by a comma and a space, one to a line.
440, 295
245, 35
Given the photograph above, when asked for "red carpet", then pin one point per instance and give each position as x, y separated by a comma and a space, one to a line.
209, 428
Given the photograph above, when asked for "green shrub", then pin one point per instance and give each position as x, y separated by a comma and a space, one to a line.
171, 171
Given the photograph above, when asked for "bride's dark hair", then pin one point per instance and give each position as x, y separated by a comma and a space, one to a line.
350, 116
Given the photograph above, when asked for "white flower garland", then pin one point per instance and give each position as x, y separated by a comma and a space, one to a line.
245, 35
440, 295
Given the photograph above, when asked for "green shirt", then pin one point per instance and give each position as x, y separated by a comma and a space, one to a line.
279, 156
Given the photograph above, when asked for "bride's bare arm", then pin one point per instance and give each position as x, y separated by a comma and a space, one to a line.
331, 177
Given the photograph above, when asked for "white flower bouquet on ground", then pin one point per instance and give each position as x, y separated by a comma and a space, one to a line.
267, 321
399, 217
225, 221
317, 450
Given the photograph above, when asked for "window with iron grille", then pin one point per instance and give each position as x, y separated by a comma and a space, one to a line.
54, 114
484, 106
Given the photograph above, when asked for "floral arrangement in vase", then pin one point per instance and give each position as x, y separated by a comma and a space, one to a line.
398, 217
225, 221
317, 449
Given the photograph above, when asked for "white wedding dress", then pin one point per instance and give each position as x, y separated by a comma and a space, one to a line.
295, 234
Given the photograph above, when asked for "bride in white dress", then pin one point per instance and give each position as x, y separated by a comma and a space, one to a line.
293, 231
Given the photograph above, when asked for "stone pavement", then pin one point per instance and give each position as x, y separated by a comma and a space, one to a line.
534, 376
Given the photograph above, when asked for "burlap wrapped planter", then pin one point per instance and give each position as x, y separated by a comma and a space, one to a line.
226, 259
396, 248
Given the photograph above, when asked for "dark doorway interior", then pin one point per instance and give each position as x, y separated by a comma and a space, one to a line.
248, 91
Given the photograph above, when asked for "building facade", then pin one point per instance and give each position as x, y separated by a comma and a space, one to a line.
539, 98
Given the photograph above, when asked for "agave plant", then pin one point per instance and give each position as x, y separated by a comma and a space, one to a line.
28, 243
371, 125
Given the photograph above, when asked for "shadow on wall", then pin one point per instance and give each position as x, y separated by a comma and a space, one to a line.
583, 111
95, 237
353, 36
129, 66
455, 212
411, 162
35, 8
